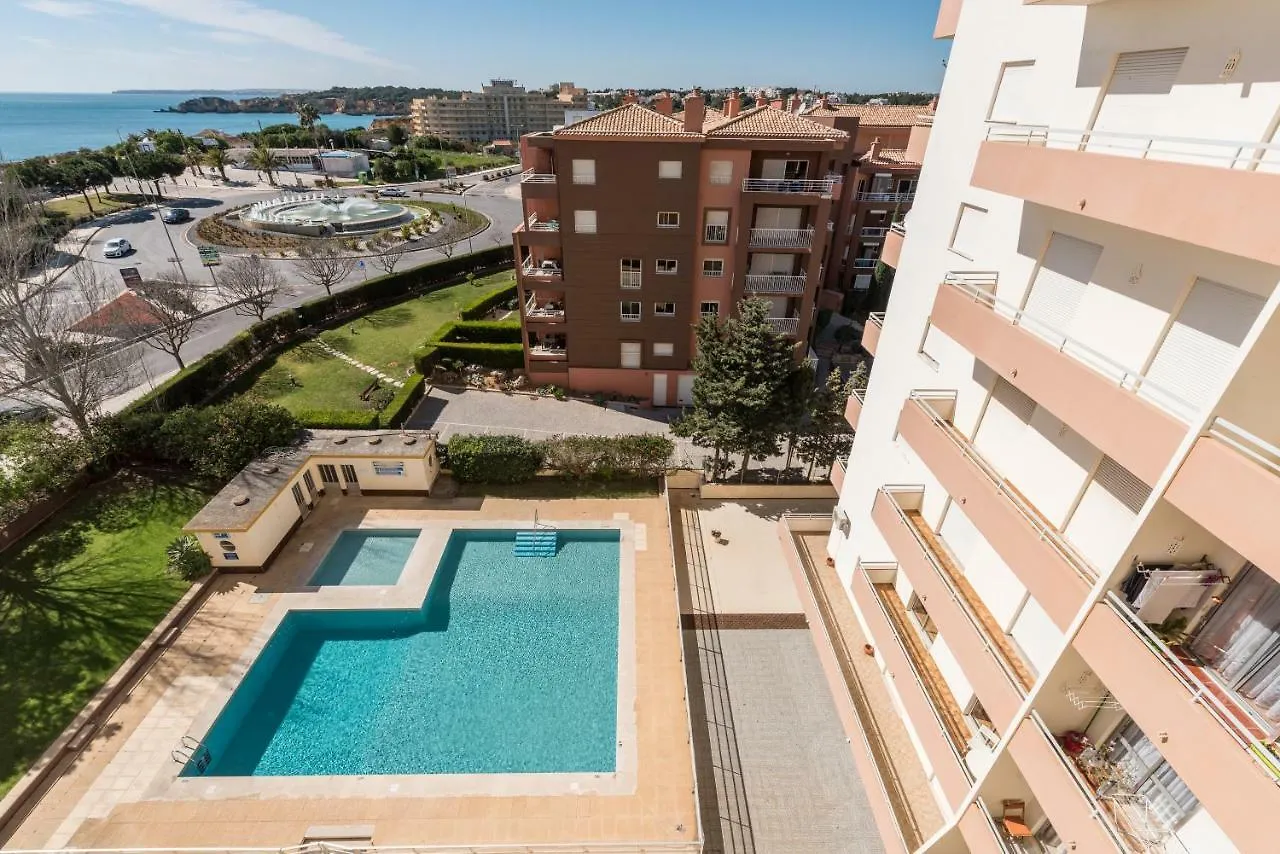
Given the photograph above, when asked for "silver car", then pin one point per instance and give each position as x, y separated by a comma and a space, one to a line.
117, 247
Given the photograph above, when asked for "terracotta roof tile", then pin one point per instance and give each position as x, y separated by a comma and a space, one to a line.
777, 124
871, 115
627, 120
890, 157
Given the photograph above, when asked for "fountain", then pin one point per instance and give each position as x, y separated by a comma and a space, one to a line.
320, 214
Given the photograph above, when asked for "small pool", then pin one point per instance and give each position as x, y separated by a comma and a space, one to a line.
362, 558
509, 666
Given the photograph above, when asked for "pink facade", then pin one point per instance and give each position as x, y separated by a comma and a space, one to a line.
892, 249
948, 17
978, 834
628, 382
871, 334
1057, 790
853, 408
720, 197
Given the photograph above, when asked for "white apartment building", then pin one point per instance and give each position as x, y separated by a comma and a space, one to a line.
1060, 523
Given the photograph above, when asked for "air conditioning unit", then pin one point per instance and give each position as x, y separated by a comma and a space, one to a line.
841, 520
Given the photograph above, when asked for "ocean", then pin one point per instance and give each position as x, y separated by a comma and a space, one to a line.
49, 123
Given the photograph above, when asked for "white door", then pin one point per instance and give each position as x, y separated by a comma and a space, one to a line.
1059, 285
1200, 348
1101, 525
684, 390
772, 263
659, 389
1132, 95
779, 218
999, 436
1015, 98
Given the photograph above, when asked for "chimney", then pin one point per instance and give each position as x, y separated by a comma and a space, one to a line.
662, 103
796, 101
874, 150
695, 111
630, 97
732, 104
823, 102
776, 103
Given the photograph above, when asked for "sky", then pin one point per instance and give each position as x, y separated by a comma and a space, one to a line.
834, 45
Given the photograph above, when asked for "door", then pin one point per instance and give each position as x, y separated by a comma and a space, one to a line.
999, 436
1200, 348
1059, 285
1241, 641
684, 390
772, 264
779, 218
659, 389
1132, 96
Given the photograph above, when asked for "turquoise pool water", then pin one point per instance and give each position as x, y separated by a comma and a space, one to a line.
365, 558
509, 666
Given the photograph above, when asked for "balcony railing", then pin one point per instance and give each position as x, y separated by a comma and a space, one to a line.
876, 318
865, 263
869, 231
899, 228
759, 283
821, 186
1242, 441
785, 325
553, 274
529, 176
1042, 529
1099, 812
1223, 154
630, 279
532, 309
981, 285
535, 224
781, 238
545, 350
891, 198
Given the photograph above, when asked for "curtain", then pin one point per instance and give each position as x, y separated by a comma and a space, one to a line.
1241, 641
1153, 777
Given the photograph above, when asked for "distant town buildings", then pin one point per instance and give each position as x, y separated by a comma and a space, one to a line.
500, 110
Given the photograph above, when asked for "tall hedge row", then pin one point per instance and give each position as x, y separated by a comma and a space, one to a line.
513, 459
491, 343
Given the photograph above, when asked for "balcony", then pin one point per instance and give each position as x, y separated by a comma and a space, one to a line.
1144, 182
853, 407
891, 251
1096, 396
927, 700
1208, 741
807, 186
872, 233
1230, 484
536, 232
785, 325
871, 331
537, 185
948, 16
887, 198
837, 474
757, 283
547, 271
781, 238
1050, 568
988, 658
550, 310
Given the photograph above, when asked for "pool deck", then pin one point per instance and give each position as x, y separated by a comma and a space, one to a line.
118, 791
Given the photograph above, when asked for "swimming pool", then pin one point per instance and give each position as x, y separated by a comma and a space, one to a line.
509, 666
365, 557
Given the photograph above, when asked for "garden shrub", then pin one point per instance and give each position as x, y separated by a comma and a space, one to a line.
337, 419
403, 403
494, 459
480, 332
187, 559
218, 441
499, 356
478, 309
608, 457
39, 461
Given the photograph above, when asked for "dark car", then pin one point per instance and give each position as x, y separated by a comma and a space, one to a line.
175, 215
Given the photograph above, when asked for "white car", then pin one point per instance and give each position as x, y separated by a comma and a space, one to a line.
117, 247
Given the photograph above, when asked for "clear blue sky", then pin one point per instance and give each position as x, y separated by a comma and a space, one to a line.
99, 45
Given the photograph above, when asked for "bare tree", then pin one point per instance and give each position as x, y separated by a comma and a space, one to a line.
170, 315
49, 355
390, 257
251, 284
447, 248
322, 264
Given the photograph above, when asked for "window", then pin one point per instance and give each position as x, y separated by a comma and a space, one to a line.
713, 267
309, 481
716, 227
664, 348
630, 354
922, 619
668, 219
349, 474
967, 234
928, 346
665, 266
721, 172
710, 308
631, 272
584, 171
1015, 96
670, 168
328, 473
297, 495
584, 222
630, 310
1152, 776
980, 723
664, 309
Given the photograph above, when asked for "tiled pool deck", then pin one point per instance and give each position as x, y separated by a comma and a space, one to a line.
115, 794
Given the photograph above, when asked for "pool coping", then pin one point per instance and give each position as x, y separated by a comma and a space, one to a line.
408, 594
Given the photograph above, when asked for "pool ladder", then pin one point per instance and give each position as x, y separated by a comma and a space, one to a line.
192, 750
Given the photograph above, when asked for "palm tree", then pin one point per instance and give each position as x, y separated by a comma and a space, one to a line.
216, 158
191, 153
308, 115
263, 158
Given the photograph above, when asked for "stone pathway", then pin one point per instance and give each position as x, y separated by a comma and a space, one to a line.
368, 369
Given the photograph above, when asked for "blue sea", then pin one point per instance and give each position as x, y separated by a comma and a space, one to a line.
49, 123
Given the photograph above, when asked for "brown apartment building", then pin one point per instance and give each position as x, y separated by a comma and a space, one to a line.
639, 221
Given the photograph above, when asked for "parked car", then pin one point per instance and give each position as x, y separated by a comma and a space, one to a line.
397, 192
174, 215
117, 247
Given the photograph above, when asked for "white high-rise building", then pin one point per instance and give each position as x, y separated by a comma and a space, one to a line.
1060, 524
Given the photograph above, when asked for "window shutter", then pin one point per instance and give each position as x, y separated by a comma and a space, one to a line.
670, 168
1060, 282
1123, 484
1147, 72
721, 171
584, 222
584, 171
1015, 95
717, 217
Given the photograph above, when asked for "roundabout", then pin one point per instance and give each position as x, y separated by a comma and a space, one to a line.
323, 214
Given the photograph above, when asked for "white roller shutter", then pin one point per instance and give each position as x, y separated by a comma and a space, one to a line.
1060, 282
1125, 486
1015, 97
1127, 105
999, 436
1102, 524
1198, 352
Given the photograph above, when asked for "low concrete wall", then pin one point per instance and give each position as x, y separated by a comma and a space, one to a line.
767, 490
684, 479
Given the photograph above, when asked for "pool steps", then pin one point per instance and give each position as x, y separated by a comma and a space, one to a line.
536, 543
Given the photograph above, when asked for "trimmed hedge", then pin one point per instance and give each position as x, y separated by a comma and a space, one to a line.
479, 332
490, 343
514, 459
338, 419
402, 404
494, 459
479, 308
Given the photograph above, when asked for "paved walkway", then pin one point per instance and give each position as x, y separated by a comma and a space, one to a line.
368, 369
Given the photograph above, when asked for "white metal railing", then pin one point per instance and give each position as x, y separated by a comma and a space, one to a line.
1254, 447
781, 238
981, 287
785, 325
768, 283
899, 229
860, 394
876, 318
1065, 551
546, 350
891, 491
893, 198
925, 119
529, 176
330, 848
1218, 153
1086, 791
872, 231
1199, 692
630, 279
865, 263
822, 186
532, 309
541, 272
535, 224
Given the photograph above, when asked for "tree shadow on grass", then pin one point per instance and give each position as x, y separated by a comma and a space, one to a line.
311, 351
389, 318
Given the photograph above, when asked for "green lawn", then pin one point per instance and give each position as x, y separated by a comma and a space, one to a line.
75, 207
76, 599
464, 160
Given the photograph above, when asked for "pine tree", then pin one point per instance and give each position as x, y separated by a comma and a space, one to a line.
827, 436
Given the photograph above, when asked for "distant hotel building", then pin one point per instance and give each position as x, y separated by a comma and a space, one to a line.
500, 110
